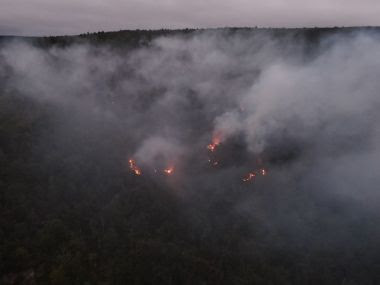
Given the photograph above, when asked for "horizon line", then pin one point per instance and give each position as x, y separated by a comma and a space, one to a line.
193, 29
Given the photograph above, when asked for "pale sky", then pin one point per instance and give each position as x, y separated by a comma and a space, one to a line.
58, 17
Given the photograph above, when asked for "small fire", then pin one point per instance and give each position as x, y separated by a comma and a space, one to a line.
249, 177
133, 167
252, 175
169, 170
215, 143
213, 162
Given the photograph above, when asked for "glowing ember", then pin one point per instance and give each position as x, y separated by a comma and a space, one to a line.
169, 170
215, 142
250, 176
133, 167
213, 162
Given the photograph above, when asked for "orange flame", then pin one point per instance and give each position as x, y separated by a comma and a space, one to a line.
169, 170
133, 167
215, 142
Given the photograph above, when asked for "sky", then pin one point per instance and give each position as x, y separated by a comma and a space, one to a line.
62, 17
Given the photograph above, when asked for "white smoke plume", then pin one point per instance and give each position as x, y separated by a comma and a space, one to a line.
311, 115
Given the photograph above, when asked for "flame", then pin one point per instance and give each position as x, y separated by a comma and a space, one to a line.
213, 145
250, 176
216, 141
133, 167
169, 170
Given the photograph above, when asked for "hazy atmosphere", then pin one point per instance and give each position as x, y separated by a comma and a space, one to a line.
203, 142
55, 17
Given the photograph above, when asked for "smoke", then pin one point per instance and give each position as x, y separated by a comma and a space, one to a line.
310, 118
155, 149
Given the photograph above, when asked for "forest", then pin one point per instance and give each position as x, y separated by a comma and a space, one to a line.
210, 156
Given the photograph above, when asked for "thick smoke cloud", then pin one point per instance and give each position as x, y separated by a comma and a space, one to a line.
313, 121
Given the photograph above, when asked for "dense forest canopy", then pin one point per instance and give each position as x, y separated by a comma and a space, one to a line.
223, 156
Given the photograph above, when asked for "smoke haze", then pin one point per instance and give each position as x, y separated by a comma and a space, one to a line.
310, 117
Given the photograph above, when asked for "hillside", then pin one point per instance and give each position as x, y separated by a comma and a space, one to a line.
256, 152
